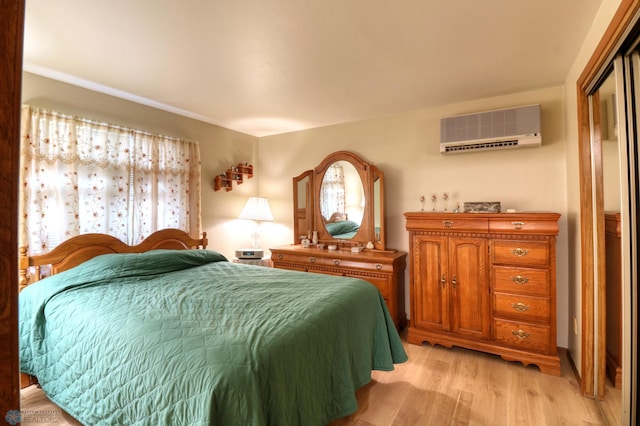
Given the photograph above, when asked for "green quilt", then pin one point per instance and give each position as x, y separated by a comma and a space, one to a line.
185, 337
345, 229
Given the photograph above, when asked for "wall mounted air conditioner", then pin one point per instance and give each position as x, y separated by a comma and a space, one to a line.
509, 128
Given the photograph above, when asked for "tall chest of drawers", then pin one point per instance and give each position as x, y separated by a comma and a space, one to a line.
384, 269
485, 281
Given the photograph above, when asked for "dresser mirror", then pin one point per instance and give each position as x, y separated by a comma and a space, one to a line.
342, 199
303, 206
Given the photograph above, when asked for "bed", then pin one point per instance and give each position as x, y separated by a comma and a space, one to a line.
340, 227
170, 332
344, 229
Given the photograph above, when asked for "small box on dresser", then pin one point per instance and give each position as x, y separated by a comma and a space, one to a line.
485, 281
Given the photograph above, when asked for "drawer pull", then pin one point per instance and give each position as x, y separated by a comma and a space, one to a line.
443, 281
280, 257
336, 262
447, 223
520, 334
518, 225
520, 252
521, 307
378, 266
454, 282
312, 259
520, 280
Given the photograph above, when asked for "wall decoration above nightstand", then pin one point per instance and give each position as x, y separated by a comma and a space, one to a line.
234, 173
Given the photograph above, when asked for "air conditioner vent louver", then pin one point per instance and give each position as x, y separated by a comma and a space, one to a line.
500, 129
485, 145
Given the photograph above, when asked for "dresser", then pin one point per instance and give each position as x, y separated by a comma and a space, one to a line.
382, 268
487, 282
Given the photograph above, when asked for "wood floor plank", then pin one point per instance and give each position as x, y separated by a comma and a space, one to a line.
36, 408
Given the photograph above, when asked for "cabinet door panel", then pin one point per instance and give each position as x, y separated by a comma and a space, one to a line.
430, 309
469, 286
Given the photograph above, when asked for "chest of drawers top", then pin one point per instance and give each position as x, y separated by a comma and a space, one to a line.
526, 223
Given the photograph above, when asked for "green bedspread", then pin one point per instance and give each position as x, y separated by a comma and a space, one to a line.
185, 337
344, 229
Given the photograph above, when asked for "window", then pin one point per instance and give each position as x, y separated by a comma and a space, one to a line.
80, 176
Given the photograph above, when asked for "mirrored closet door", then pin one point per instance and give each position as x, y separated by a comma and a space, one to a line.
614, 107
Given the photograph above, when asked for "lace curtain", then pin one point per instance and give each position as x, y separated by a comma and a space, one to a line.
81, 176
332, 196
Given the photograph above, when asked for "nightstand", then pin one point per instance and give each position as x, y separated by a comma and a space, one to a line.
257, 262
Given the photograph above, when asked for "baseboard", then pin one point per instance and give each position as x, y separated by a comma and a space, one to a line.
27, 380
576, 374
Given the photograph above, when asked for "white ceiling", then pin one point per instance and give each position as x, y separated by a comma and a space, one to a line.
264, 67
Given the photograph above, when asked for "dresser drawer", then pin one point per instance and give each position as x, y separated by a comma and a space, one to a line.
515, 252
455, 224
353, 264
526, 281
523, 226
297, 258
381, 283
523, 335
522, 308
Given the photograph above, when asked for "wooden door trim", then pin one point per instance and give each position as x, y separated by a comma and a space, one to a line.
12, 24
613, 36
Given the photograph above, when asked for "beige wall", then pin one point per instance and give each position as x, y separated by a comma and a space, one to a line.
406, 148
219, 148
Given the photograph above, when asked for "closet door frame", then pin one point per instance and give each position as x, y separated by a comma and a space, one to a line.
592, 238
11, 40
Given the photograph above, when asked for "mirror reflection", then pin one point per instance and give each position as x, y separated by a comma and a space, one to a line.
611, 377
377, 207
302, 207
342, 200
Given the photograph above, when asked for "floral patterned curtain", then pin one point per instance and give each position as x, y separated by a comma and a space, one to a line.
332, 194
80, 176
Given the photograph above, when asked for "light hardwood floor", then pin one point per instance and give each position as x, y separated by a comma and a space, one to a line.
440, 386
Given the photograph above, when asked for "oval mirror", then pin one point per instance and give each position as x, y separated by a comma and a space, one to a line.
342, 200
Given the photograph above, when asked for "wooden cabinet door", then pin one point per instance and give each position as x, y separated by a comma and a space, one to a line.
430, 294
469, 300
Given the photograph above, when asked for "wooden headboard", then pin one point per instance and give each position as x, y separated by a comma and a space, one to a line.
336, 217
81, 248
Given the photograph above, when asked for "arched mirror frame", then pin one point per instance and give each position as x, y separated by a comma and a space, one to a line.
365, 233
372, 228
377, 193
303, 205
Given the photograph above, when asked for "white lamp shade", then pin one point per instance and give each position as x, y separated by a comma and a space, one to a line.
257, 208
